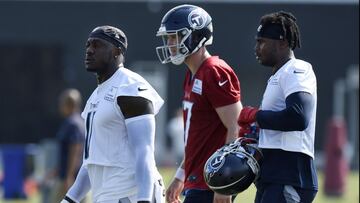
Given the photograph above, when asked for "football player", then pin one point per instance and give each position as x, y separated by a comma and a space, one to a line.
287, 114
119, 164
211, 100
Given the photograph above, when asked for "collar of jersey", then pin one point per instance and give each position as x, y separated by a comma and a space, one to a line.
106, 82
289, 63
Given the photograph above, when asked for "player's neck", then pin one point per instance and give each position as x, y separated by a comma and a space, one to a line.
103, 76
195, 60
283, 60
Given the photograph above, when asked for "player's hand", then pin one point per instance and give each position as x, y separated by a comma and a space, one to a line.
248, 115
219, 198
245, 140
249, 130
174, 190
244, 129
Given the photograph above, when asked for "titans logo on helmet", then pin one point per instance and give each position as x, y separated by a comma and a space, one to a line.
215, 163
197, 19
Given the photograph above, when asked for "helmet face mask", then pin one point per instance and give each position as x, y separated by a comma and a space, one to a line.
175, 52
233, 168
192, 27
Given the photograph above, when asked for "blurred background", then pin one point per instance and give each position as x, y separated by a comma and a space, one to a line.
42, 49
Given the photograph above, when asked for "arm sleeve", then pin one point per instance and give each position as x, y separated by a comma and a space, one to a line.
295, 117
141, 132
80, 187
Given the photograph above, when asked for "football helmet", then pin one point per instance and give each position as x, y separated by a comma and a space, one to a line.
184, 29
232, 168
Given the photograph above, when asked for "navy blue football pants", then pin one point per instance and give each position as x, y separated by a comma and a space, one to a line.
277, 193
199, 196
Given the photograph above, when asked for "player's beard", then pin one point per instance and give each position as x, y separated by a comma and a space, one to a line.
97, 66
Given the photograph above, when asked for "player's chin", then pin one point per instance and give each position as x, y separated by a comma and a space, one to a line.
258, 59
90, 68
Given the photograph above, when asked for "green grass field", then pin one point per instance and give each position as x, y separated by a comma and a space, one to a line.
350, 196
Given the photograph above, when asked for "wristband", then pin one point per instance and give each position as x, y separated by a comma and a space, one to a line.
67, 200
180, 174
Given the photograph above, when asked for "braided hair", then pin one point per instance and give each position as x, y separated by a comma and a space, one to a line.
288, 23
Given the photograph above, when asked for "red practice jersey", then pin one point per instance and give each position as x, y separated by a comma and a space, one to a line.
214, 85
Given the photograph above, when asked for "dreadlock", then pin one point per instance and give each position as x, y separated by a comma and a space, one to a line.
288, 22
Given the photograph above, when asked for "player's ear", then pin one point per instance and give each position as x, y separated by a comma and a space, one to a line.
116, 52
284, 43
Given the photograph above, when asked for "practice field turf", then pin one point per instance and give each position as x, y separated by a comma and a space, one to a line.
350, 196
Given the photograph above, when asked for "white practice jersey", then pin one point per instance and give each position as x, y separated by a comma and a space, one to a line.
106, 136
294, 76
